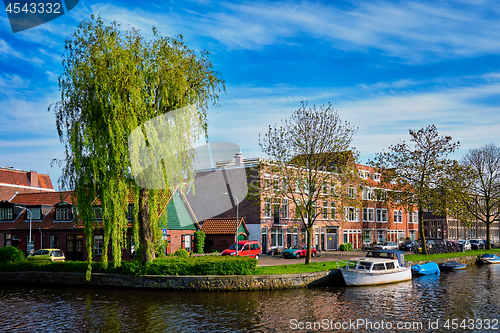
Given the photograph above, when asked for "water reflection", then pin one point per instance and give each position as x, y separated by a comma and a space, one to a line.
468, 294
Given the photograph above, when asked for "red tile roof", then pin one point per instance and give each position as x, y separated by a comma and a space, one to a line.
45, 198
221, 226
21, 178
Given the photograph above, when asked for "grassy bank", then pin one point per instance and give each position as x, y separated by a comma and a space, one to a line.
298, 268
421, 257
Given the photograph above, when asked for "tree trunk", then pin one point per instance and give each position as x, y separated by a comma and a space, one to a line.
421, 229
145, 231
488, 235
309, 243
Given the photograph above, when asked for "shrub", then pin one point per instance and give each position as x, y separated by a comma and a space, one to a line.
346, 247
199, 241
11, 254
181, 253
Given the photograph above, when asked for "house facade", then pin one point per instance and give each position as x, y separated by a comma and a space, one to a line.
274, 221
15, 181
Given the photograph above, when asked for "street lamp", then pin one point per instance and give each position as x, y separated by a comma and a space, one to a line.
237, 225
29, 243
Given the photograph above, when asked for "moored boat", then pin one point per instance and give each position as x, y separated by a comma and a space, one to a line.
425, 269
452, 266
378, 267
490, 258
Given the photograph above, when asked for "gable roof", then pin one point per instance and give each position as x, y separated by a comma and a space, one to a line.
179, 215
224, 226
44, 198
22, 178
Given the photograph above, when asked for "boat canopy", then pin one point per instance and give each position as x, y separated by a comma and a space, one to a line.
390, 254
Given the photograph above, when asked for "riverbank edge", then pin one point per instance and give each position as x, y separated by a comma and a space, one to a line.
196, 283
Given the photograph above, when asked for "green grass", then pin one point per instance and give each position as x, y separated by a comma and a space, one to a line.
422, 257
299, 268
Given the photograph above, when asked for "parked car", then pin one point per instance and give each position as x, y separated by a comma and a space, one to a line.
466, 244
47, 254
386, 246
299, 251
477, 244
245, 249
407, 246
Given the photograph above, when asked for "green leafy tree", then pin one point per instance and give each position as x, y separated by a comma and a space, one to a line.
418, 172
199, 241
113, 83
310, 158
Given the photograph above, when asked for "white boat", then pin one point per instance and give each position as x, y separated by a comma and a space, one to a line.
378, 267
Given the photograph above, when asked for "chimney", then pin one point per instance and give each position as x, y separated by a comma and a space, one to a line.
238, 159
33, 177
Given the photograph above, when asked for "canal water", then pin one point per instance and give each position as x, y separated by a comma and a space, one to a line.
461, 301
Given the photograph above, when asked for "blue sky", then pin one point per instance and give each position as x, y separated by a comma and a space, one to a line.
386, 66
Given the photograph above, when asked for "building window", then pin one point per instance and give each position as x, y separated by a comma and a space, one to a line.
5, 214
413, 217
54, 241
333, 211
276, 183
36, 213
130, 212
352, 214
30, 245
267, 207
98, 244
376, 177
363, 174
381, 235
381, 215
267, 181
325, 188
351, 192
284, 208
369, 214
98, 212
277, 237
325, 210
398, 216
368, 194
63, 214
70, 243
79, 243
187, 242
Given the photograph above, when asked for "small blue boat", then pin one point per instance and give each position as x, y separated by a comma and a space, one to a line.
490, 258
424, 269
452, 266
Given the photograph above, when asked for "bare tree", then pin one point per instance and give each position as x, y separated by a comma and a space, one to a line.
483, 199
418, 172
306, 152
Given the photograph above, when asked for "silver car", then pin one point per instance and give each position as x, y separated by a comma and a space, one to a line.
386, 246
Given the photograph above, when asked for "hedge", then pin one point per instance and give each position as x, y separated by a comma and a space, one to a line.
209, 265
10, 254
346, 247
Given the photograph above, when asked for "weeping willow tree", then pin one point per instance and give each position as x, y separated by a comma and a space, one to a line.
116, 84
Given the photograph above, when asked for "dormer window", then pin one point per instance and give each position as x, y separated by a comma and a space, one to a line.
98, 212
5, 214
363, 174
376, 177
64, 213
36, 213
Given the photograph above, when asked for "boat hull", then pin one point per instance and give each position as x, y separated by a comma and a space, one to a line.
452, 266
490, 258
425, 269
356, 278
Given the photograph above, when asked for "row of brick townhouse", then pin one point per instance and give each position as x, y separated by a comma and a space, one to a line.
50, 217
274, 222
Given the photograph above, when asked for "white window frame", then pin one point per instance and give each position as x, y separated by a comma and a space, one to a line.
412, 217
268, 208
333, 210
351, 192
351, 214
382, 215
324, 212
284, 208
369, 214
398, 216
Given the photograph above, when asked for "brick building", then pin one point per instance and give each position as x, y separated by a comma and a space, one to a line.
372, 220
13, 181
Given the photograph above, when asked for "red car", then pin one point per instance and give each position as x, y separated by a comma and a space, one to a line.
245, 249
299, 251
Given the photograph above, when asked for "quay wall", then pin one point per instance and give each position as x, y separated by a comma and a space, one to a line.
201, 283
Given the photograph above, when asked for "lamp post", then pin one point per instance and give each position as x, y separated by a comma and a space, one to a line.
29, 243
237, 225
